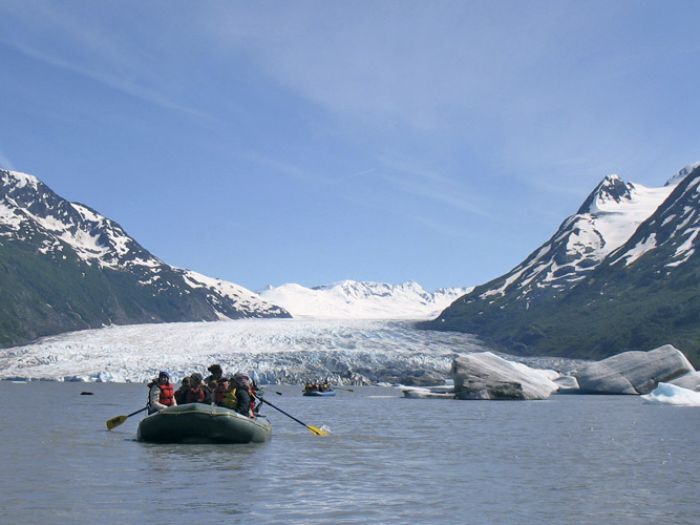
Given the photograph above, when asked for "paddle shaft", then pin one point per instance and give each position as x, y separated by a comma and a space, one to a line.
285, 413
138, 411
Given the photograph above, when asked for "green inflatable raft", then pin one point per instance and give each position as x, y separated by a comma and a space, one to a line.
200, 423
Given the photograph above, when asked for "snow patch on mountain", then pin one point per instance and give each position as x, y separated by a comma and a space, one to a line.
242, 298
674, 226
642, 247
615, 221
18, 179
362, 300
682, 174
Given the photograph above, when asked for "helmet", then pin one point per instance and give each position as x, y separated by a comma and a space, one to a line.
163, 374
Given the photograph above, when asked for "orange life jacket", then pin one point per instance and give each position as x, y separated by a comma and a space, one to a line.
166, 394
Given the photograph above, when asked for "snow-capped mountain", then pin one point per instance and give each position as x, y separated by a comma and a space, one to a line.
68, 267
362, 300
671, 231
621, 274
606, 219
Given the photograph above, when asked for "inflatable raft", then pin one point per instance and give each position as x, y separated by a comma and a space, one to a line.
200, 423
319, 393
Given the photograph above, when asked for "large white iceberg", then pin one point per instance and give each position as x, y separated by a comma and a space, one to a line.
633, 372
484, 375
669, 394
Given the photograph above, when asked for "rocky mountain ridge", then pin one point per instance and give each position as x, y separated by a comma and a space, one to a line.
621, 274
362, 300
66, 267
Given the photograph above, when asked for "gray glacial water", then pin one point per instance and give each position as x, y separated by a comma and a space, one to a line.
570, 459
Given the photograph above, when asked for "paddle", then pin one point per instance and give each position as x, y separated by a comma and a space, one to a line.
116, 421
313, 429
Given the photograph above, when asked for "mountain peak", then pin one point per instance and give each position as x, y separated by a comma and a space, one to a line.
18, 179
682, 174
612, 189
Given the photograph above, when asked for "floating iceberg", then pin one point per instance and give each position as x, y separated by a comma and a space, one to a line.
669, 394
485, 375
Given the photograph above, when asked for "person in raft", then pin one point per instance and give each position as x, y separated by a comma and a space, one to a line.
197, 393
160, 393
216, 375
239, 395
221, 388
181, 393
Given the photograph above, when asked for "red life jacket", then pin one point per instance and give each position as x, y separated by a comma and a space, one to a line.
166, 394
195, 395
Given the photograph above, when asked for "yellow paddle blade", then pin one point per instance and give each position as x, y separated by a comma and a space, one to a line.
115, 422
317, 431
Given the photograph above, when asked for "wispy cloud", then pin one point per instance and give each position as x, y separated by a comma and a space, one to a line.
430, 185
5, 161
90, 49
443, 227
287, 169
123, 85
420, 65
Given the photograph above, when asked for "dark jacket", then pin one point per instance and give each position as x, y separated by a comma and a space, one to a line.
242, 400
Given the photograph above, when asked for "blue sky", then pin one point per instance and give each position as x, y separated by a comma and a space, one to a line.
309, 142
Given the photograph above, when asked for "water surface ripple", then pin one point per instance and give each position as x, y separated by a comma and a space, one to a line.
570, 459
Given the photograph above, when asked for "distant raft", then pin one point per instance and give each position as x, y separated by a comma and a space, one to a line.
319, 393
200, 423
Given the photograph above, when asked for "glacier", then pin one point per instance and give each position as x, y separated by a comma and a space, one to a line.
278, 350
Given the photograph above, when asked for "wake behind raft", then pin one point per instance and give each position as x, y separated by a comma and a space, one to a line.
201, 423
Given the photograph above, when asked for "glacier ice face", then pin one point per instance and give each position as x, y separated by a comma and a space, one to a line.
279, 350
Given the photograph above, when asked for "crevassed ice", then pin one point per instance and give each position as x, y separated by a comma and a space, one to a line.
137, 352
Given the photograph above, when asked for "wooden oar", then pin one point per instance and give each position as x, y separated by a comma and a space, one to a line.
313, 429
116, 421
